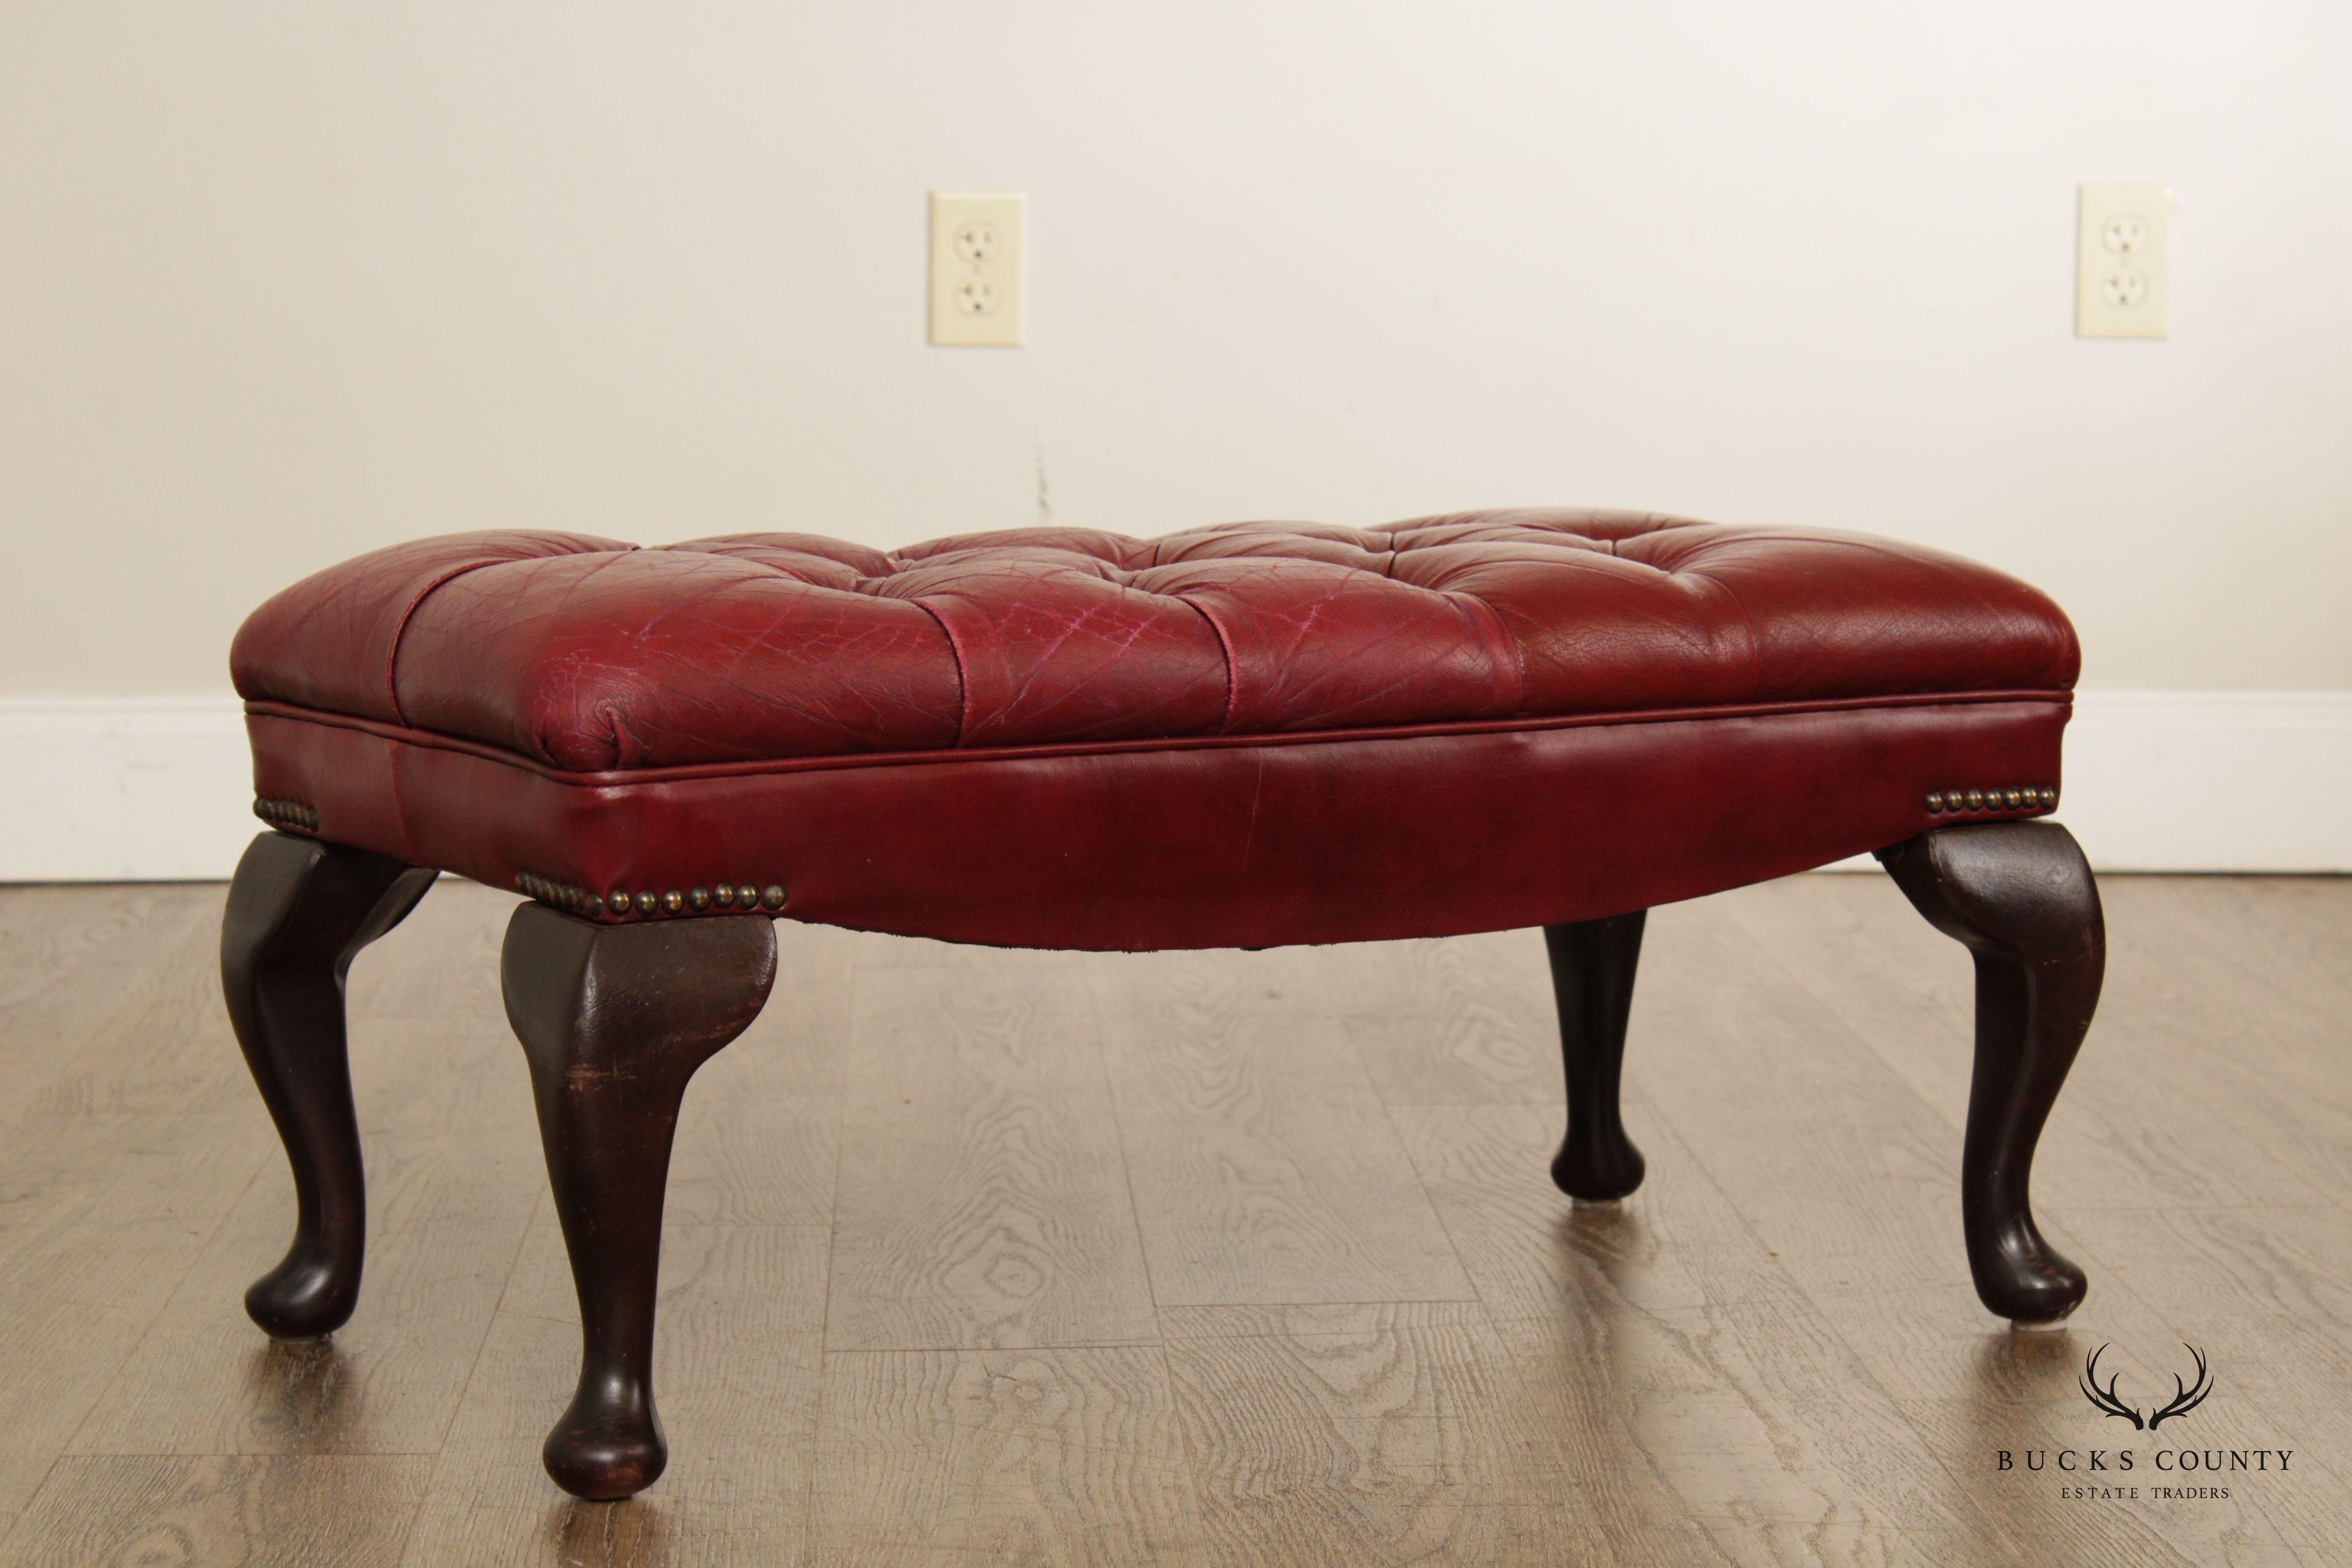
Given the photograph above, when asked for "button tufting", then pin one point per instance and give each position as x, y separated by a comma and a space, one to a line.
589, 656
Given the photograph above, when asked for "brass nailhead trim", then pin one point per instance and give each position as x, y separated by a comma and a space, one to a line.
562, 895
621, 903
2021, 797
287, 813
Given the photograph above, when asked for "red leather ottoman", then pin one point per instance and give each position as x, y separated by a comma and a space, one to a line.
1246, 736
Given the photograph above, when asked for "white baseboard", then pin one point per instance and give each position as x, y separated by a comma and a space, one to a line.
160, 788
2210, 781
123, 789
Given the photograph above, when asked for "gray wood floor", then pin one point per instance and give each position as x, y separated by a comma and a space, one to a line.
982, 1256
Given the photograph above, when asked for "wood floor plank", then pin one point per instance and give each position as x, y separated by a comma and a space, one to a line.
1847, 1176
158, 1042
1824, 1150
449, 1136
1967, 1436
1402, 1433
276, 1512
1464, 1020
102, 1216
2119, 1137
1263, 1165
440, 965
982, 1201
2220, 1006
444, 1234
737, 1372
1379, 1335
1681, 1327
2267, 1295
759, 1137
72, 946
1034, 1456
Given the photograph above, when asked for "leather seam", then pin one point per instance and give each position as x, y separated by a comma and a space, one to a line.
400, 630
964, 674
288, 713
1755, 638
1225, 645
1498, 629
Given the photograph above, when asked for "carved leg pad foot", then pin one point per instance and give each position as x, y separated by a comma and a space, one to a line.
615, 1020
2021, 897
1592, 964
298, 911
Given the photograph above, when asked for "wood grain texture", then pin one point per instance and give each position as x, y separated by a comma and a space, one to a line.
2114, 1141
1459, 1021
981, 1201
254, 1512
103, 1215
1402, 1433
1676, 1326
446, 1231
1770, 1354
1034, 1456
737, 1353
1264, 1166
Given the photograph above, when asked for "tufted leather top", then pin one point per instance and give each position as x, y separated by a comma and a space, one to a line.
591, 655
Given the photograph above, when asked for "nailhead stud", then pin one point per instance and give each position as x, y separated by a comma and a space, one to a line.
1976, 800
673, 901
591, 906
618, 900
2014, 798
773, 899
700, 899
647, 901
725, 895
747, 897
1936, 802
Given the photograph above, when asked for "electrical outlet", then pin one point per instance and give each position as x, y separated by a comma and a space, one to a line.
2123, 267
979, 292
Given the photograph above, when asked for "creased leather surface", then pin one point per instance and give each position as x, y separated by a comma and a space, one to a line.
589, 655
1255, 843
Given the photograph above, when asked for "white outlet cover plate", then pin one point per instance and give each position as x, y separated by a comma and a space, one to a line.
2122, 262
979, 244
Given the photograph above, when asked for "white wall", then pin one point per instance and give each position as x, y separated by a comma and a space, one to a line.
282, 281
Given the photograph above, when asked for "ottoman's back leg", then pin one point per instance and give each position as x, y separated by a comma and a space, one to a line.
1592, 964
2020, 896
615, 1020
298, 912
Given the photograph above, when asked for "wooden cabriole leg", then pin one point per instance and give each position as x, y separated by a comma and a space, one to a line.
615, 1020
2020, 896
1592, 964
298, 912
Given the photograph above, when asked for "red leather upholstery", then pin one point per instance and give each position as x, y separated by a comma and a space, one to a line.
1251, 734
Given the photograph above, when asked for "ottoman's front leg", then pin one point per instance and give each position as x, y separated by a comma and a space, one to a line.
298, 911
2020, 896
615, 1020
1592, 964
